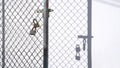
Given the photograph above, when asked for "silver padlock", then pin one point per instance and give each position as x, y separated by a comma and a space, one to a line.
32, 32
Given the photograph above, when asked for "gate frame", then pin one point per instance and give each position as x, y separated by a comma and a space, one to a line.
89, 33
3, 34
45, 33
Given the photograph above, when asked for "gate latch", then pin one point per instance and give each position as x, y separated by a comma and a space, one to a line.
42, 11
84, 40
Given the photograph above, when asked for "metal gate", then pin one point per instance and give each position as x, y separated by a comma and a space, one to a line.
45, 34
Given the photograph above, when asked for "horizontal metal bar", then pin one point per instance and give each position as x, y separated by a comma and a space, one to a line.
81, 36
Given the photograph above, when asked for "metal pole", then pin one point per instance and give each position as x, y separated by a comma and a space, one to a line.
89, 33
45, 31
3, 34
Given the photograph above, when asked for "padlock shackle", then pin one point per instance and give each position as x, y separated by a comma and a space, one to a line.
35, 20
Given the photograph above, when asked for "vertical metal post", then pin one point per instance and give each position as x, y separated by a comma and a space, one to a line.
45, 28
3, 34
89, 33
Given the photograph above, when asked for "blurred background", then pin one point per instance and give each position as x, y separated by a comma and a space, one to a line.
106, 32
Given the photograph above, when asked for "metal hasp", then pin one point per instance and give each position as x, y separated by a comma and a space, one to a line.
45, 33
42, 11
84, 37
84, 40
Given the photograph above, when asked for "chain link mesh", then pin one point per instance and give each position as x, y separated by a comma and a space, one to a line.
66, 22
23, 50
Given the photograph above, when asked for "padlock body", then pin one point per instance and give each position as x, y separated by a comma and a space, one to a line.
77, 57
32, 32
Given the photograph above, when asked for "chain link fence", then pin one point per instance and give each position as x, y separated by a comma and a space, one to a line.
21, 49
68, 20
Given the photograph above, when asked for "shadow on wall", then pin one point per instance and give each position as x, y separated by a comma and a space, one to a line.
115, 3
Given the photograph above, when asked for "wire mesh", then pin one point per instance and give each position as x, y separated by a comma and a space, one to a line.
68, 20
23, 50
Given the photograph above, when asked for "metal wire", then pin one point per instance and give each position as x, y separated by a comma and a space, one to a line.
68, 20
22, 49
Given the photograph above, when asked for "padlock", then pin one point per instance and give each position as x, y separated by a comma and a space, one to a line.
77, 48
35, 26
32, 32
77, 57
